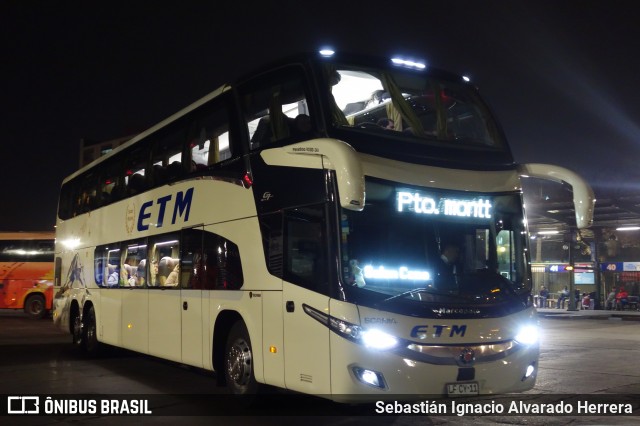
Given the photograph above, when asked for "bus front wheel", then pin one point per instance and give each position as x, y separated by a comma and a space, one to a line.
238, 367
34, 306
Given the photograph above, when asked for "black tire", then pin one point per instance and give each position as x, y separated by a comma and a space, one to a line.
84, 332
76, 328
238, 362
91, 344
35, 306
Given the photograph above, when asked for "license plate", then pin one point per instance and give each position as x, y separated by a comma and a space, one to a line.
462, 389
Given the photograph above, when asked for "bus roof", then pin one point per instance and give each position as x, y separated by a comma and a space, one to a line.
27, 235
150, 130
300, 58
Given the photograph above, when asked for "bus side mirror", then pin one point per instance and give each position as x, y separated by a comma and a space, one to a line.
328, 154
583, 197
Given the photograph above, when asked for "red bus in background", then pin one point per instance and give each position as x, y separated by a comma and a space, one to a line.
26, 271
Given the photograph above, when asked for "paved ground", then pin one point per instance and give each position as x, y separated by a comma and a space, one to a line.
584, 354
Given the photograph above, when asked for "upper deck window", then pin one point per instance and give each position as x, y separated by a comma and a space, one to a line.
413, 105
276, 107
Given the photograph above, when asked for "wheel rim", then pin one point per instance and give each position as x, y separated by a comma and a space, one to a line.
239, 362
35, 306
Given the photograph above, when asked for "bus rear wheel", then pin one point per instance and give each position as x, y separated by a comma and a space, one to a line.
238, 366
85, 337
34, 306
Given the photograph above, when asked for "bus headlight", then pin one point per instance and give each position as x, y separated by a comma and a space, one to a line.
528, 335
377, 339
371, 338
369, 377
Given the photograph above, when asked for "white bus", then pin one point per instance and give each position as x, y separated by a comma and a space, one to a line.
236, 236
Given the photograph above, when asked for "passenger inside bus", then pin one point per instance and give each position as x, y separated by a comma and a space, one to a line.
298, 128
128, 276
153, 273
166, 267
141, 273
445, 271
173, 278
113, 276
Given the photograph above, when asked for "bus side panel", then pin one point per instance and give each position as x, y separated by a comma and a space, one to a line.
306, 341
191, 326
135, 319
165, 326
109, 316
272, 320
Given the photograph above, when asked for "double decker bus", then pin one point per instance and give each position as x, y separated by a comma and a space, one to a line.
26, 272
336, 225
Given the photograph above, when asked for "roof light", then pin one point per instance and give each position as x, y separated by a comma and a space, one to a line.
327, 52
465, 78
408, 63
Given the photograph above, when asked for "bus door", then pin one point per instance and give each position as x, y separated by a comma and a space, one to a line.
305, 290
192, 282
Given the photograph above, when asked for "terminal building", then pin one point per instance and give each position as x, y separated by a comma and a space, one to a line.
91, 150
594, 261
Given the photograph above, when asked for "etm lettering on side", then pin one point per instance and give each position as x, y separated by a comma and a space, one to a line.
181, 208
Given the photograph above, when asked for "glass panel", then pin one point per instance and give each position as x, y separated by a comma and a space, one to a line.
192, 262
135, 178
26, 250
433, 246
164, 255
112, 265
229, 266
305, 248
133, 271
209, 137
276, 108
210, 262
412, 104
166, 157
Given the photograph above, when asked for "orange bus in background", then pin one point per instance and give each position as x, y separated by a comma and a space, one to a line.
26, 271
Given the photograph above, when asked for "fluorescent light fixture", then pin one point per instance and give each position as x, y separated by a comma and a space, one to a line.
548, 232
628, 228
166, 243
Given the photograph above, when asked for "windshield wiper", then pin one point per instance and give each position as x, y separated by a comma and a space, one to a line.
406, 293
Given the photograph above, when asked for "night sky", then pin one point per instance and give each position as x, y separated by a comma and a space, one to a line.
562, 77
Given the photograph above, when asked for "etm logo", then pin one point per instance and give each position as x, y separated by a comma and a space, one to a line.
23, 405
181, 208
422, 331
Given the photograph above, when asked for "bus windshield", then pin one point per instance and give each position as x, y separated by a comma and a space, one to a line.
420, 246
411, 104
